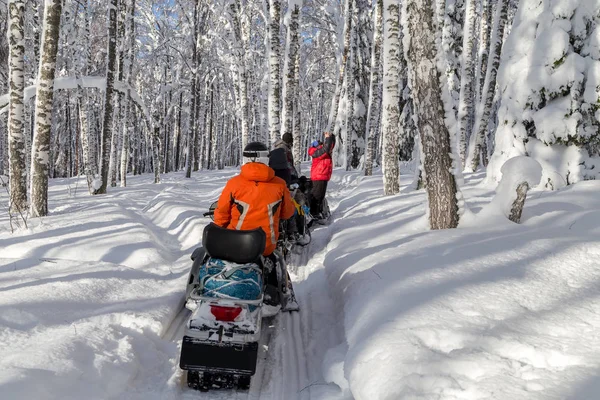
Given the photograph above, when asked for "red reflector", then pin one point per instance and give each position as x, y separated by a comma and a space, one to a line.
226, 314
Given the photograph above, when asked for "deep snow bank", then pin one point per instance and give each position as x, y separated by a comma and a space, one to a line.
88, 292
489, 310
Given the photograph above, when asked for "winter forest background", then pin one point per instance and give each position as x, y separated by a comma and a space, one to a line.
134, 86
448, 113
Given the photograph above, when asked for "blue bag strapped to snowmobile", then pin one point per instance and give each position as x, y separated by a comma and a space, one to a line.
228, 280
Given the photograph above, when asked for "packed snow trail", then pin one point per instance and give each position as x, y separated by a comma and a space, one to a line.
109, 275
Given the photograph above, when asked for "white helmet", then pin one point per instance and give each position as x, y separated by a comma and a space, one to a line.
256, 152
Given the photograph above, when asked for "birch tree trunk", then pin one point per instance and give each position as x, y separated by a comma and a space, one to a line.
296, 132
16, 107
351, 80
467, 92
289, 78
127, 106
192, 130
107, 125
361, 77
435, 138
489, 87
177, 135
374, 90
155, 143
241, 35
335, 103
274, 57
391, 97
40, 153
484, 45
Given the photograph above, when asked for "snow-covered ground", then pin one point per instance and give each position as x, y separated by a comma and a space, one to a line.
91, 297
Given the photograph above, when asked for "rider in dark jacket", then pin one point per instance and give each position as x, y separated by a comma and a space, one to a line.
281, 159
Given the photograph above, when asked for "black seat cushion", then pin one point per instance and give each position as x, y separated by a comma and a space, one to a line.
238, 246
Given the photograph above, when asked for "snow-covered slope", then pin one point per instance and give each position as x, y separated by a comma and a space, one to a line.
490, 310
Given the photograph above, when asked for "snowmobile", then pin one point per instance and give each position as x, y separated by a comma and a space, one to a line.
322, 218
230, 288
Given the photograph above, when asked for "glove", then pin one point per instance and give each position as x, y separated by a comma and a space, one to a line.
315, 143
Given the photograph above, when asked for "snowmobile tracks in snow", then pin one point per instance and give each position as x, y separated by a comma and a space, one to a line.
292, 380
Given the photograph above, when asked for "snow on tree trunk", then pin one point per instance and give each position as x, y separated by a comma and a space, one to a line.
241, 37
127, 106
549, 78
297, 132
391, 97
155, 144
191, 158
361, 74
107, 125
336, 103
40, 156
374, 90
435, 139
16, 107
484, 45
489, 88
274, 56
467, 82
88, 159
452, 35
289, 78
351, 83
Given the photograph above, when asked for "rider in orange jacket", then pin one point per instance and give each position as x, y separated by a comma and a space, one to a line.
255, 198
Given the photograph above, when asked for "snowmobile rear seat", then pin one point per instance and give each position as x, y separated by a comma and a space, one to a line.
238, 246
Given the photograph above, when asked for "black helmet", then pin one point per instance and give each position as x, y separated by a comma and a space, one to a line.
256, 152
288, 138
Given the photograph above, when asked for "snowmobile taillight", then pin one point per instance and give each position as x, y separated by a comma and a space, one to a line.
225, 314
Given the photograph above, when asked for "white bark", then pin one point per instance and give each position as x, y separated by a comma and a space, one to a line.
435, 138
126, 106
336, 103
289, 76
40, 157
274, 74
489, 87
107, 125
374, 89
16, 115
391, 97
467, 83
241, 37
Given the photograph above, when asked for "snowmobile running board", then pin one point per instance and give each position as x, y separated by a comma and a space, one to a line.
210, 356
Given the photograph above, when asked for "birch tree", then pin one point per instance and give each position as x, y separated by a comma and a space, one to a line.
489, 85
467, 83
16, 115
241, 36
274, 59
108, 97
335, 104
289, 74
429, 109
40, 156
374, 91
126, 105
361, 79
391, 97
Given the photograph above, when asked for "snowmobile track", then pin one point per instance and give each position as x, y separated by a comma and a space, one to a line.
174, 331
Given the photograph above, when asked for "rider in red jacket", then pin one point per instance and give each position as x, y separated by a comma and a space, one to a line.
320, 172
